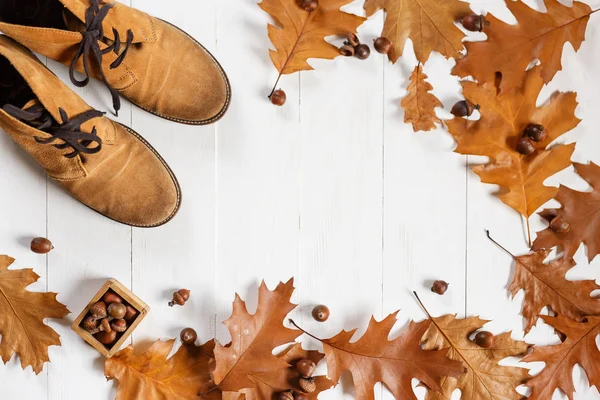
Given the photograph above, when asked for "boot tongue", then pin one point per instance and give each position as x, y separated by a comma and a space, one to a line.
72, 23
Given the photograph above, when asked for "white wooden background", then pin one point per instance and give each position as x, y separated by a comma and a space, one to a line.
333, 189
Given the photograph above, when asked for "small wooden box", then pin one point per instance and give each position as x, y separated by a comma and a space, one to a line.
126, 295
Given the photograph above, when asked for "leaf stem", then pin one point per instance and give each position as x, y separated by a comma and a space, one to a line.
422, 305
528, 232
209, 391
499, 245
275, 86
303, 331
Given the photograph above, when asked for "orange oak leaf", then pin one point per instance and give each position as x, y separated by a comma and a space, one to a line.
579, 347
495, 134
509, 49
269, 384
22, 313
153, 376
582, 211
419, 105
373, 358
301, 34
484, 378
547, 285
430, 24
254, 337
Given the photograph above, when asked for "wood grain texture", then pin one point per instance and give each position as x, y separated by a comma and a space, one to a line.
333, 189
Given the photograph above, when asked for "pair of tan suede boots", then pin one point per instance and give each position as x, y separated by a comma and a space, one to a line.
153, 64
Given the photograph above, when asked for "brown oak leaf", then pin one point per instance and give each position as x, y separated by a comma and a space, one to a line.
509, 49
301, 34
373, 358
546, 285
484, 378
153, 376
430, 24
495, 134
22, 313
269, 384
579, 347
254, 337
582, 211
419, 105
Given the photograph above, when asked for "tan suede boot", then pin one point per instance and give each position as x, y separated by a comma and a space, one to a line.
103, 164
152, 63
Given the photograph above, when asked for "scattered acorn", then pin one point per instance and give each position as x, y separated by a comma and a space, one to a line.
535, 132
306, 368
464, 108
475, 23
188, 336
181, 296
439, 287
347, 50
525, 146
362, 51
352, 40
41, 245
484, 339
309, 5
287, 395
560, 225
382, 45
307, 385
278, 98
320, 313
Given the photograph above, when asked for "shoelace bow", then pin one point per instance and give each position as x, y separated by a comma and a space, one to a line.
94, 16
69, 131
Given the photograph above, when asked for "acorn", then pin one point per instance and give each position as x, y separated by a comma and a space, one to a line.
525, 146
287, 395
180, 297
535, 132
439, 287
485, 339
560, 225
475, 23
382, 45
347, 50
307, 385
306, 368
464, 108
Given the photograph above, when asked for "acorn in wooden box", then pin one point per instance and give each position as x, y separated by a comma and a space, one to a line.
110, 318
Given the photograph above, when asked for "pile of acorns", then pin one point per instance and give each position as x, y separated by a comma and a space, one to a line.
353, 47
109, 318
306, 381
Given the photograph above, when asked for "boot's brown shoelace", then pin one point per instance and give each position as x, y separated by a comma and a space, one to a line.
69, 131
94, 16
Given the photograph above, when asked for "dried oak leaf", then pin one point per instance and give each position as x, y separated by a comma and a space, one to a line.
484, 378
253, 339
509, 49
301, 34
373, 358
153, 376
546, 285
582, 211
22, 313
419, 105
269, 384
495, 134
430, 24
579, 347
